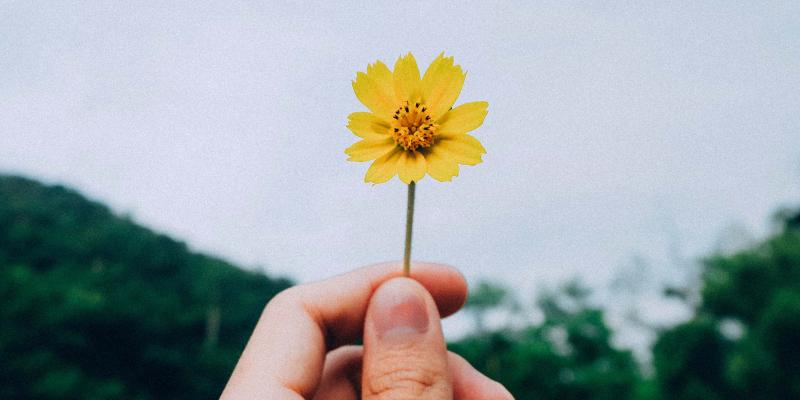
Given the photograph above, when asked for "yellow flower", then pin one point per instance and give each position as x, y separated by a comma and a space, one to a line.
412, 127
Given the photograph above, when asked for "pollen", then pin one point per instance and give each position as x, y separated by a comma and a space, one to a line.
412, 126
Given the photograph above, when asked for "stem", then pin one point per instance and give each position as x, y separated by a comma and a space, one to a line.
409, 223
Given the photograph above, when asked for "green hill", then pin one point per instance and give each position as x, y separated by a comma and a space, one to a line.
93, 305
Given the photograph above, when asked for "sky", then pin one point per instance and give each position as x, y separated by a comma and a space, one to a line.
620, 137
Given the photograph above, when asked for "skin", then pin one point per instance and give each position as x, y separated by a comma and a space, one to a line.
302, 346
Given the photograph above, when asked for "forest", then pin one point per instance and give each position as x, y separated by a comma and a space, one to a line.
96, 306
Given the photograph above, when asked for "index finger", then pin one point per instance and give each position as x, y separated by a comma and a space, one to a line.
285, 354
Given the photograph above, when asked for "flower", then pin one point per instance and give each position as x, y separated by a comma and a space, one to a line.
412, 128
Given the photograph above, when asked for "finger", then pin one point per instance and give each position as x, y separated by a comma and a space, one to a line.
405, 356
285, 354
341, 375
341, 378
470, 384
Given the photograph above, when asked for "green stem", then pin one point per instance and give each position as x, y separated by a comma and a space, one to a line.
409, 223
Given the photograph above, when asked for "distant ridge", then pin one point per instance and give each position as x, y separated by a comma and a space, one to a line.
93, 305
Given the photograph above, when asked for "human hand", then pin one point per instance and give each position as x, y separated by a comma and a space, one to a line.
302, 347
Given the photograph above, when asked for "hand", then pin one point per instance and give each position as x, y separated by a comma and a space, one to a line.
300, 348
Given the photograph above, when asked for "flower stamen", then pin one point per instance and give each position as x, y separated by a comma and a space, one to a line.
411, 128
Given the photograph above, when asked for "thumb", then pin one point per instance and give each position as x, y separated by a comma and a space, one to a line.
405, 356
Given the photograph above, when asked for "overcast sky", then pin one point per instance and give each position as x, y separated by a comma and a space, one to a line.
613, 130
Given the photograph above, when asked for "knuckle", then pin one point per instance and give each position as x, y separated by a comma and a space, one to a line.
401, 377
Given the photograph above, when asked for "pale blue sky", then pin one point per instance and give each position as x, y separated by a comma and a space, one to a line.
614, 129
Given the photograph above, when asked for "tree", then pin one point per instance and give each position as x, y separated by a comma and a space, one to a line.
568, 356
486, 296
95, 306
758, 290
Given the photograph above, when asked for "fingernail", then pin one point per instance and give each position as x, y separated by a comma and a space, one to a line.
398, 310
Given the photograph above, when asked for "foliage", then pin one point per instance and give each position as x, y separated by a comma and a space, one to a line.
568, 356
756, 292
95, 306
741, 342
485, 297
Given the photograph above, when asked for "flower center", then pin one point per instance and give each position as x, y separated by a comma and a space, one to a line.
412, 126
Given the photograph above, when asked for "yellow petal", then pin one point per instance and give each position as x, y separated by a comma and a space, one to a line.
385, 167
463, 118
441, 85
440, 167
411, 167
434, 67
463, 148
370, 149
367, 125
375, 90
406, 78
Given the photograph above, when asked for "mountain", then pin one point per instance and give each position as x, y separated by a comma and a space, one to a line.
93, 305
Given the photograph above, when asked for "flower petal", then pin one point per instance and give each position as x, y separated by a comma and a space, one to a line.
411, 167
440, 167
367, 125
406, 78
441, 85
370, 149
462, 148
375, 90
464, 118
385, 167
